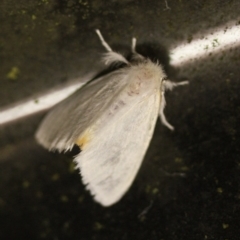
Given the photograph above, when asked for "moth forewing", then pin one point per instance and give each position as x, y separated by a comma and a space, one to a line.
63, 125
110, 161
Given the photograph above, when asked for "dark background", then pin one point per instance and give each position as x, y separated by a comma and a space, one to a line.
50, 43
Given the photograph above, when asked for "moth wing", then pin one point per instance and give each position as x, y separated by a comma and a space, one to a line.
110, 161
62, 126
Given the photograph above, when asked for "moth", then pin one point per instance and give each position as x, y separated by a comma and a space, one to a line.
112, 120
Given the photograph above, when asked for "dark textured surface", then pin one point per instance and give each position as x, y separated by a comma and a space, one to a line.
49, 43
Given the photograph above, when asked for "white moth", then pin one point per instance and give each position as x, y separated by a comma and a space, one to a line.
112, 120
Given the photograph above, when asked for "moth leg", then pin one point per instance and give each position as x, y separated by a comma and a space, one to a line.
161, 112
111, 56
167, 85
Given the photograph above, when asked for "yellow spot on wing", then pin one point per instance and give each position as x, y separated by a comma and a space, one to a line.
84, 138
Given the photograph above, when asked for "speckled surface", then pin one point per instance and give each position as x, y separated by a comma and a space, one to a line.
44, 44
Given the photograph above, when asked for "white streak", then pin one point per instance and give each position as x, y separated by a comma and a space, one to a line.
37, 105
221, 39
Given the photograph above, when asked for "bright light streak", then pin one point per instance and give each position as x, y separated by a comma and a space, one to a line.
216, 41
33, 106
213, 42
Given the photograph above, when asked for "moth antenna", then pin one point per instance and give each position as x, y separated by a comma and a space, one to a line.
104, 43
111, 56
134, 42
136, 55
